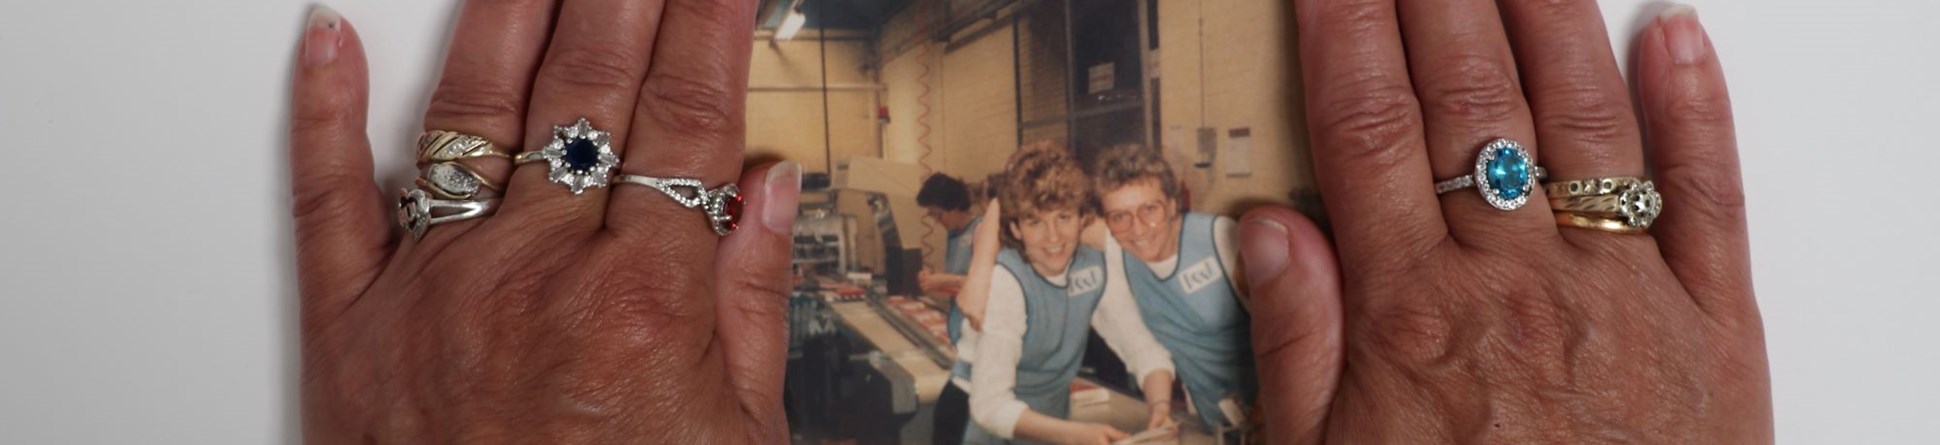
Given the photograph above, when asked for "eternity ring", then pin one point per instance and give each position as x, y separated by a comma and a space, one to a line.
446, 145
581, 157
418, 211
1504, 173
454, 180
722, 205
1631, 200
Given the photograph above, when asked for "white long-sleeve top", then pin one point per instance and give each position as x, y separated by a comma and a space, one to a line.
993, 402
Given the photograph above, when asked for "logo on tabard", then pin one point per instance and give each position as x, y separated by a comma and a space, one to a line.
1086, 280
1201, 274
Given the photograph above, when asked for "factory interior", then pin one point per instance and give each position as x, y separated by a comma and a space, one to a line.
874, 96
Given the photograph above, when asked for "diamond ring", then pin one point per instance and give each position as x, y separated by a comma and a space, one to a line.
581, 157
417, 211
722, 205
454, 180
446, 145
1631, 201
1505, 174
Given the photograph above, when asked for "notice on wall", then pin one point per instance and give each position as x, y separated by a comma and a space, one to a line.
1104, 77
1238, 158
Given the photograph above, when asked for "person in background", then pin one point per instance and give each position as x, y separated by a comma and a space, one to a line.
947, 200
1045, 294
1183, 271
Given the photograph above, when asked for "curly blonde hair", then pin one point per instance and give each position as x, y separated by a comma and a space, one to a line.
1044, 176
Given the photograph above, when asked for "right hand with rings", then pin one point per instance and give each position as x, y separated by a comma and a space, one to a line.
608, 316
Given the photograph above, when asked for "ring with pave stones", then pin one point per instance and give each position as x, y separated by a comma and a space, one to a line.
1622, 204
581, 157
417, 210
454, 180
722, 205
445, 145
1505, 174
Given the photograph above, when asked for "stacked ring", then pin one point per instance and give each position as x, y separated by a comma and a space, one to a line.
1621, 204
445, 146
454, 180
722, 205
417, 210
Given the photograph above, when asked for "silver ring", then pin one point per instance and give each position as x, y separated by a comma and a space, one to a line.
454, 180
417, 211
581, 157
722, 205
1505, 174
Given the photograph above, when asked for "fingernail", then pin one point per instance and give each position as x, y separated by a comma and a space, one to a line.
784, 192
321, 38
1684, 36
1263, 246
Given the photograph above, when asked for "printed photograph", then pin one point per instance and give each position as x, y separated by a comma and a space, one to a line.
1017, 219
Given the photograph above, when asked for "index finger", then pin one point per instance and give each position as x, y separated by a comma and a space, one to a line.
1366, 126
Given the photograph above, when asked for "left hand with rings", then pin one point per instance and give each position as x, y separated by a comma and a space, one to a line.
1587, 310
611, 288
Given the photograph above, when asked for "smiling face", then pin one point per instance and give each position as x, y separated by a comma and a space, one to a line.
1050, 238
1143, 220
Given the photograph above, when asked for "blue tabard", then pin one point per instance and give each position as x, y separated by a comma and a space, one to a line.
1196, 314
1058, 320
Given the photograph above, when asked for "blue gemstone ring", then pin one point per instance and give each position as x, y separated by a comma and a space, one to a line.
1504, 173
580, 156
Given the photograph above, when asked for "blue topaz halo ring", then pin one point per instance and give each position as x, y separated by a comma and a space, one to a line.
1505, 174
580, 157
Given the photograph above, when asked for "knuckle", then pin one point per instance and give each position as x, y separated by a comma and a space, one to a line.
1537, 326
1709, 189
1588, 114
1474, 89
679, 102
323, 197
714, 11
1372, 128
1700, 109
597, 67
458, 101
1412, 331
1355, 11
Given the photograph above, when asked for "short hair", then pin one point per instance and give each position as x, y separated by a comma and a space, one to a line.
944, 191
1044, 176
1129, 163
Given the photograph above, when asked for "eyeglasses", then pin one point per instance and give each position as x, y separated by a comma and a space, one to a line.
1151, 213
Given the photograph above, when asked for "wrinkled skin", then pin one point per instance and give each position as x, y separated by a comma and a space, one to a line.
614, 316
1439, 319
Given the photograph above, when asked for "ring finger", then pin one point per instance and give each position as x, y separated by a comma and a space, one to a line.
592, 71
487, 77
1465, 76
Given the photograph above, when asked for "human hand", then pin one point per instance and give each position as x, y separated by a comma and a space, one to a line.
1458, 322
1080, 433
613, 316
1160, 414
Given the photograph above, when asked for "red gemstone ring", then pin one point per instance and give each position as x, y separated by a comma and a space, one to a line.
723, 205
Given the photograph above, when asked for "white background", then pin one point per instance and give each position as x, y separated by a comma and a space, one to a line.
145, 271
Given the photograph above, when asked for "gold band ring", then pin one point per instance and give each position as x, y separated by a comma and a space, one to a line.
454, 180
444, 146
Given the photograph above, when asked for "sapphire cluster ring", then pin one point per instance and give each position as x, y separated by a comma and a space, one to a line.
1505, 174
1621, 204
722, 205
580, 157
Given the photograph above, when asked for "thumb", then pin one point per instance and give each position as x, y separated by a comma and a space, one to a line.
1295, 285
342, 233
753, 277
